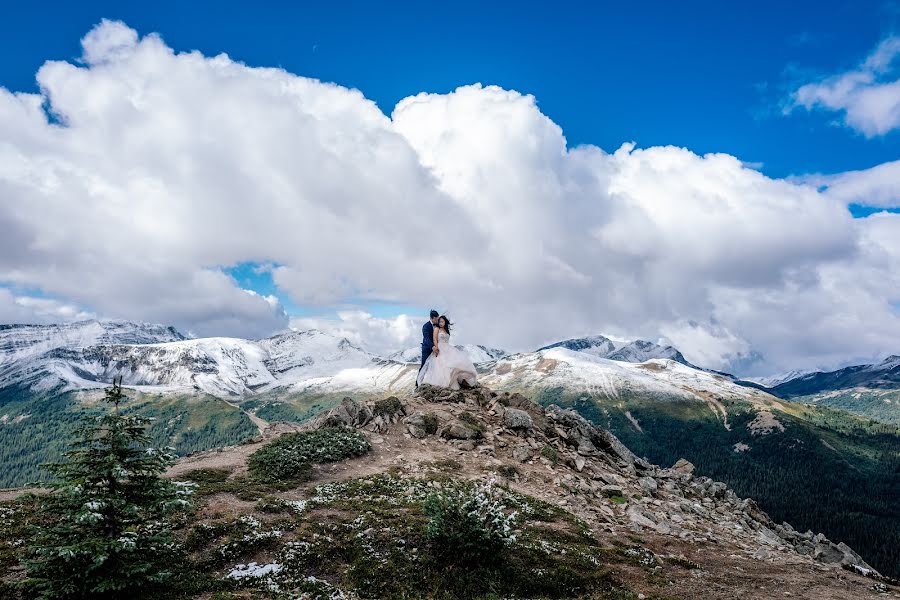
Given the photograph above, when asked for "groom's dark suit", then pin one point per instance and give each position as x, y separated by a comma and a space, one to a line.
427, 342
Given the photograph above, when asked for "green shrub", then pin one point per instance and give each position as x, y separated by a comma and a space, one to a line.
388, 407
508, 471
550, 453
431, 423
469, 526
471, 420
289, 457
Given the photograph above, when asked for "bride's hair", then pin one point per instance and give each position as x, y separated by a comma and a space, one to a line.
446, 323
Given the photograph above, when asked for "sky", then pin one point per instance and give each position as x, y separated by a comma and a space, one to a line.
722, 177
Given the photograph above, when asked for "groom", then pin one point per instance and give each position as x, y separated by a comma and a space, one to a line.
428, 338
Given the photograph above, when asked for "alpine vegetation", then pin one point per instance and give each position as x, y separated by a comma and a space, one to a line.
103, 531
469, 526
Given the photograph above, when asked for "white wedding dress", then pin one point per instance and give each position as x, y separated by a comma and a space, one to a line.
448, 367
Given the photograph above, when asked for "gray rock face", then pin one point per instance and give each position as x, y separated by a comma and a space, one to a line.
683, 467
648, 484
517, 420
521, 453
536, 411
349, 413
610, 489
460, 431
587, 438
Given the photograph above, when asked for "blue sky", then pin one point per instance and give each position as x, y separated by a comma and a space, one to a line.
705, 75
710, 77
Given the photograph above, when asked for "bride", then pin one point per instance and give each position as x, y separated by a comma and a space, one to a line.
447, 366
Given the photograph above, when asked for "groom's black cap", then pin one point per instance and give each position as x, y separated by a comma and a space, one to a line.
433, 314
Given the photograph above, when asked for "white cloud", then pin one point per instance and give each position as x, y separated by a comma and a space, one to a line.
868, 97
170, 166
379, 335
29, 309
877, 186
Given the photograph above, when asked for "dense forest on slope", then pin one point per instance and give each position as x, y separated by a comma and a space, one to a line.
828, 471
38, 427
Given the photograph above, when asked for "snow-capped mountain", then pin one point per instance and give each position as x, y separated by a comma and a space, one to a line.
637, 351
773, 380
882, 375
90, 354
19, 341
575, 370
478, 354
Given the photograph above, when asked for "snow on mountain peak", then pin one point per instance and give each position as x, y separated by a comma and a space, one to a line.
636, 351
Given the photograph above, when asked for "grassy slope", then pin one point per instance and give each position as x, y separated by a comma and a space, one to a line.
880, 405
189, 423
829, 471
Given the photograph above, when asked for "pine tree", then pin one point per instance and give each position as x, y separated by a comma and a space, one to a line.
104, 531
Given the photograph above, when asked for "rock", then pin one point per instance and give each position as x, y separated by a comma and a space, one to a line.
638, 518
460, 431
762, 553
683, 467
349, 413
517, 420
827, 552
648, 484
390, 409
609, 490
574, 429
521, 453
421, 424
535, 411
717, 489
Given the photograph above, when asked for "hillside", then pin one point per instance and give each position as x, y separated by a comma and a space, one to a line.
587, 518
812, 466
871, 390
219, 391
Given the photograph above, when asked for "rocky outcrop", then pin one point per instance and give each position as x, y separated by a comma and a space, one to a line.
592, 467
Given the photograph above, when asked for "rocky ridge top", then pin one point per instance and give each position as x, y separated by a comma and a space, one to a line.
561, 457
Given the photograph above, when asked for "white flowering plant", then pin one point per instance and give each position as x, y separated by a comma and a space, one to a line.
470, 525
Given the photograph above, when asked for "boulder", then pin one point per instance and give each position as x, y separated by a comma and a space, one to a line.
648, 484
610, 489
420, 424
517, 420
349, 413
683, 467
535, 411
587, 438
521, 453
639, 518
460, 431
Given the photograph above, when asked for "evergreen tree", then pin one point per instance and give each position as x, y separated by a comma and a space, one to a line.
104, 529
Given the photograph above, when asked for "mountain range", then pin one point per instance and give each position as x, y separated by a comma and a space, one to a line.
805, 460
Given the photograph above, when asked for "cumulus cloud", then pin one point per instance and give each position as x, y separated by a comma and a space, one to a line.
868, 96
161, 169
16, 308
376, 334
877, 186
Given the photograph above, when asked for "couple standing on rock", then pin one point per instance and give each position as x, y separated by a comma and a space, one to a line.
443, 364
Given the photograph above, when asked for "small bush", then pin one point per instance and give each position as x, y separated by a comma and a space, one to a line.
388, 407
431, 423
290, 456
550, 453
469, 526
472, 421
508, 471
